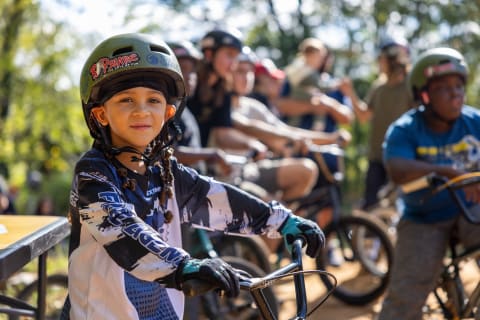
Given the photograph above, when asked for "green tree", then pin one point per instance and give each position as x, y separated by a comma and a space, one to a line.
41, 119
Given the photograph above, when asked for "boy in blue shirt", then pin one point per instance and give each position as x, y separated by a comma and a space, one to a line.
442, 136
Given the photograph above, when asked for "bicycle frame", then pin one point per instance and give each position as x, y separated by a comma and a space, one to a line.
474, 298
461, 308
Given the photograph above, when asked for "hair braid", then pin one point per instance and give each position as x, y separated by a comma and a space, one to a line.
167, 179
128, 183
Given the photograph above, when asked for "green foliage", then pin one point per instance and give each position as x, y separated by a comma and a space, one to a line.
44, 129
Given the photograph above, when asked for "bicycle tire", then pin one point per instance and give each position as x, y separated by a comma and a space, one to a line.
57, 290
361, 279
241, 307
252, 249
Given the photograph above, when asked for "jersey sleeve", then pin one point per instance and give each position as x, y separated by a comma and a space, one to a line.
207, 203
400, 139
111, 221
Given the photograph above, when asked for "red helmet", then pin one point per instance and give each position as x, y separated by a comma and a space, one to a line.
268, 67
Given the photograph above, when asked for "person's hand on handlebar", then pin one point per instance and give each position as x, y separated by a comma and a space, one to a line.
214, 272
296, 226
472, 193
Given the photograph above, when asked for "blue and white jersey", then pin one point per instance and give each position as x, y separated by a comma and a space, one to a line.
123, 250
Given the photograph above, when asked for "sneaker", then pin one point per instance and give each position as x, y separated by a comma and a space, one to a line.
373, 251
335, 259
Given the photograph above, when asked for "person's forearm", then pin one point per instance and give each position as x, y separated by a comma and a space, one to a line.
293, 107
261, 130
318, 137
360, 108
340, 112
402, 170
231, 138
191, 156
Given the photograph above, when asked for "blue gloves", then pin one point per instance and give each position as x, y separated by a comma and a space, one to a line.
295, 227
211, 273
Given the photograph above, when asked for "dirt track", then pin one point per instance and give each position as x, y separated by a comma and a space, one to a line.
334, 309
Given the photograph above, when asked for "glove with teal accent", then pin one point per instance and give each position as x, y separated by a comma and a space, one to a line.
207, 274
295, 227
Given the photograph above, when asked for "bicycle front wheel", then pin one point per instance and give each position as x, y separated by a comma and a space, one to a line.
242, 307
359, 253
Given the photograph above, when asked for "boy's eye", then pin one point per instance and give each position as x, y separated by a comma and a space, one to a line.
125, 99
155, 100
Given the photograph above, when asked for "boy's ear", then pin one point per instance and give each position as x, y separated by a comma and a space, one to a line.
425, 97
170, 111
99, 114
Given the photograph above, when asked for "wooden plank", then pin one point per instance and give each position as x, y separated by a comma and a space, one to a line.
20, 226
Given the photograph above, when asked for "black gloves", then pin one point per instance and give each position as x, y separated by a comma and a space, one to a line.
295, 227
212, 273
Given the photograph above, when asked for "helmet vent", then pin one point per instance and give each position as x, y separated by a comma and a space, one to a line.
159, 49
122, 50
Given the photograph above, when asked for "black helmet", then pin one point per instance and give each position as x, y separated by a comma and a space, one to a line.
434, 63
126, 59
185, 49
216, 39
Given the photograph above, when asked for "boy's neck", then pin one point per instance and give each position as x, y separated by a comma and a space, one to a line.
125, 158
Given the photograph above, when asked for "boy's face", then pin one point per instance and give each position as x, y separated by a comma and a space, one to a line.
269, 86
315, 58
224, 59
135, 116
189, 74
243, 77
446, 94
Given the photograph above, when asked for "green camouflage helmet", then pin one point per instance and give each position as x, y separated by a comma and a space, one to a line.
126, 59
434, 63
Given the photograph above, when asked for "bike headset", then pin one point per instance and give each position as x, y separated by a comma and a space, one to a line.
431, 64
125, 61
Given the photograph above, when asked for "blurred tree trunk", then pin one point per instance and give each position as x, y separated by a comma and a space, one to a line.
12, 16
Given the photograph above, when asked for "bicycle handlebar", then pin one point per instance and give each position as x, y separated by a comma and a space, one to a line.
194, 287
439, 183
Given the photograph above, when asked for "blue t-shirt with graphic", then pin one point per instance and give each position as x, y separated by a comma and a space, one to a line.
410, 138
